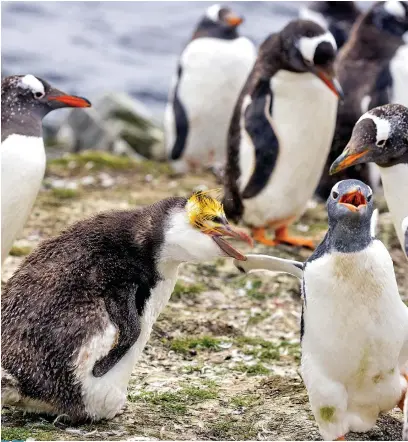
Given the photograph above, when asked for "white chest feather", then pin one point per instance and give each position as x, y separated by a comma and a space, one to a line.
213, 74
105, 396
22, 171
303, 117
395, 183
354, 340
399, 74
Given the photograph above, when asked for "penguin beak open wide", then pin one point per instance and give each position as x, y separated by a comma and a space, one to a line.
329, 79
57, 99
349, 157
225, 229
354, 200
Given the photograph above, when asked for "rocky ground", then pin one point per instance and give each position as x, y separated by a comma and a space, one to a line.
223, 359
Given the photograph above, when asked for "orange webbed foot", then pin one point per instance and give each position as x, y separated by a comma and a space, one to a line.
258, 234
340, 438
282, 236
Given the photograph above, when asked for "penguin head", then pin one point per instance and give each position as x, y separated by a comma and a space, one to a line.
307, 47
218, 22
30, 94
206, 216
390, 16
379, 136
350, 202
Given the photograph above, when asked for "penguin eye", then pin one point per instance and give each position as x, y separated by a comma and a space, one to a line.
38, 95
335, 194
217, 220
369, 197
381, 143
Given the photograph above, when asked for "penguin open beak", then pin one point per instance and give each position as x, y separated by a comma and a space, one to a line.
353, 200
233, 20
227, 230
329, 79
59, 99
349, 157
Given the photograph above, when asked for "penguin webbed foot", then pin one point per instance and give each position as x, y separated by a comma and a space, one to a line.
259, 235
282, 236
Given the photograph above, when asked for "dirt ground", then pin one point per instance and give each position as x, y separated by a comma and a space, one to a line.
223, 359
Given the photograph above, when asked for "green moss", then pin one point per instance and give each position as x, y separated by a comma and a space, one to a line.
244, 400
252, 370
247, 340
181, 290
64, 193
23, 433
327, 413
184, 345
231, 429
99, 159
20, 250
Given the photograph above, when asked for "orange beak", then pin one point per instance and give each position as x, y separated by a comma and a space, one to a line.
70, 100
346, 159
233, 20
331, 83
353, 200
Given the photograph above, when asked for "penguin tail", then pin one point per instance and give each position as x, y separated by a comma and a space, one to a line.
270, 263
10, 388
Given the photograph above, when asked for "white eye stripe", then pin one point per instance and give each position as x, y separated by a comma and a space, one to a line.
307, 45
395, 8
383, 126
32, 83
213, 12
336, 187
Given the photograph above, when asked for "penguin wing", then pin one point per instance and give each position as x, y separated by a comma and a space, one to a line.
176, 122
258, 125
271, 263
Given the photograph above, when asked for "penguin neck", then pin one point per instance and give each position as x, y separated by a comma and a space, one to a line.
26, 124
351, 236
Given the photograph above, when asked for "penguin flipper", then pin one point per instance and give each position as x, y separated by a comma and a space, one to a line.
122, 311
271, 263
258, 125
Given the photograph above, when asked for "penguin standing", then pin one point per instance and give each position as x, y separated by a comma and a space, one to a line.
380, 136
354, 328
281, 131
25, 101
372, 72
78, 312
211, 73
337, 17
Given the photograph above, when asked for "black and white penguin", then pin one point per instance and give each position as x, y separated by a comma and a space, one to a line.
381, 136
337, 17
281, 131
354, 328
78, 312
373, 70
25, 101
211, 73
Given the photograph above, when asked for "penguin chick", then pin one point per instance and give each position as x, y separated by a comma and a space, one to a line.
355, 325
78, 312
337, 17
381, 136
211, 73
367, 68
281, 131
25, 101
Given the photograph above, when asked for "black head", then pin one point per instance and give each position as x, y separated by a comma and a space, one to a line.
307, 47
379, 136
390, 17
350, 209
218, 22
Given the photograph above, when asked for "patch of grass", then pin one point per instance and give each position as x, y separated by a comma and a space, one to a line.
190, 369
64, 194
99, 159
252, 370
257, 318
207, 269
20, 250
184, 345
244, 400
266, 350
231, 429
181, 290
23, 433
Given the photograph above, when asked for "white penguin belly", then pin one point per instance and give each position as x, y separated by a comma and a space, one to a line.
22, 171
214, 72
105, 396
355, 330
395, 183
304, 117
399, 74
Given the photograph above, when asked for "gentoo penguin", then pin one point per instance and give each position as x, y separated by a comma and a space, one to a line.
337, 17
281, 131
354, 328
78, 312
25, 101
367, 68
381, 136
211, 73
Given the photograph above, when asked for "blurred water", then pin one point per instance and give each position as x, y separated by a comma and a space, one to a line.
92, 47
